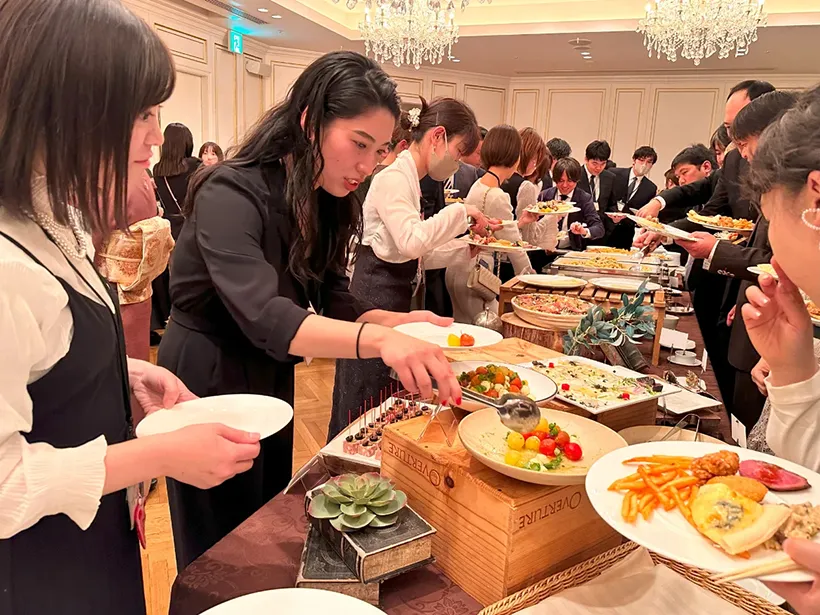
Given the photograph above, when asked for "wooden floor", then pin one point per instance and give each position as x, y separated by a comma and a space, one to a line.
313, 394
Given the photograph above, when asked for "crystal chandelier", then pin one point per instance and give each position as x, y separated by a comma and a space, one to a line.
699, 28
409, 31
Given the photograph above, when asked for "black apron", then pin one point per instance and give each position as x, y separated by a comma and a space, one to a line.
54, 567
388, 286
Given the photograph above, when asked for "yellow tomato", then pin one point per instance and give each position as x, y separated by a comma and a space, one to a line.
453, 340
512, 458
543, 425
532, 443
515, 441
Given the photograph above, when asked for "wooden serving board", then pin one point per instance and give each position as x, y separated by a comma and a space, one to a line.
495, 535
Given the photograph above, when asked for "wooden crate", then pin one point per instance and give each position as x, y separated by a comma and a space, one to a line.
495, 535
604, 298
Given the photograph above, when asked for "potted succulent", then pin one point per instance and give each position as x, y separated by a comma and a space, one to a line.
352, 502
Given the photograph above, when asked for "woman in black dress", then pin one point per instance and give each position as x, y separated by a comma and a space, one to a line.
172, 174
82, 81
267, 235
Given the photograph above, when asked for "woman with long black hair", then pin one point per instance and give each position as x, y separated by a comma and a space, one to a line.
80, 90
267, 235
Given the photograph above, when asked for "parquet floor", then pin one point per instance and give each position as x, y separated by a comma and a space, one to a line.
313, 395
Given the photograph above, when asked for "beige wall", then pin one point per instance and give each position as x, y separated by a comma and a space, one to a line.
218, 99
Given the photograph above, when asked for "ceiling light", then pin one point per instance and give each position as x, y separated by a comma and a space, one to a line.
276, 17
586, 53
262, 10
698, 30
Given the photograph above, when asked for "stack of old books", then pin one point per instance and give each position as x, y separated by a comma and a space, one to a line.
354, 563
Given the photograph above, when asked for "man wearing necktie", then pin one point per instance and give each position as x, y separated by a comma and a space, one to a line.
632, 190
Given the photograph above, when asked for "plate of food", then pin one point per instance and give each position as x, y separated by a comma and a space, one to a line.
551, 311
722, 223
708, 505
602, 262
763, 268
655, 226
624, 285
497, 379
495, 244
457, 335
553, 208
814, 312
559, 451
598, 387
728, 235
260, 414
551, 281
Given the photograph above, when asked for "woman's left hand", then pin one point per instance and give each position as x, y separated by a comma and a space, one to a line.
155, 387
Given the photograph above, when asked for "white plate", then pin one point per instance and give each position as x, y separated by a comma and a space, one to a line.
668, 533
715, 227
669, 231
681, 310
690, 345
693, 362
260, 414
625, 285
606, 406
536, 211
296, 601
758, 271
503, 249
438, 335
551, 281
648, 433
483, 435
542, 387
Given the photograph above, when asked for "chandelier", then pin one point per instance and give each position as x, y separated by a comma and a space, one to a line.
700, 28
409, 31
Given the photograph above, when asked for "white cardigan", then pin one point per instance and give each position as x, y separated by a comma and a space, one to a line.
794, 422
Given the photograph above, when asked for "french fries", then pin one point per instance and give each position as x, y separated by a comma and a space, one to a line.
661, 480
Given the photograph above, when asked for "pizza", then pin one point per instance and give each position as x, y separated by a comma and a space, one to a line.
551, 304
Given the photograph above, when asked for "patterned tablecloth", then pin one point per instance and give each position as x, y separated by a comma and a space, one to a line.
264, 553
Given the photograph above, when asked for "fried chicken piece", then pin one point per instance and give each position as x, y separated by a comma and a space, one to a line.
722, 463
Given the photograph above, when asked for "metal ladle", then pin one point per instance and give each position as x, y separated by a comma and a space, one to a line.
517, 412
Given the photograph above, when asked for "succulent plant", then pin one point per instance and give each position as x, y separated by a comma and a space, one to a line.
353, 502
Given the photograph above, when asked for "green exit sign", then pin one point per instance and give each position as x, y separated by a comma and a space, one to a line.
237, 43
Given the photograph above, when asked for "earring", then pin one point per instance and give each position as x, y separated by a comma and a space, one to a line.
803, 216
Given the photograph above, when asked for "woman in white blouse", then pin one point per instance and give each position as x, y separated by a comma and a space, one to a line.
83, 80
397, 243
500, 154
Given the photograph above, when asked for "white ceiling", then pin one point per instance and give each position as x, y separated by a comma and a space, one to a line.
496, 40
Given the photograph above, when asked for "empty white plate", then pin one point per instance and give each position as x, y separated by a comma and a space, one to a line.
254, 413
623, 285
294, 601
438, 335
551, 281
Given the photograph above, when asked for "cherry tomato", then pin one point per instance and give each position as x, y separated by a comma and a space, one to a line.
492, 393
528, 434
562, 439
499, 378
514, 389
467, 340
474, 381
565, 387
573, 451
516, 382
624, 395
541, 435
481, 370
552, 365
547, 447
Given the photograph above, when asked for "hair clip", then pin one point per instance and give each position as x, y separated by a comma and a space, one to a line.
414, 115
811, 210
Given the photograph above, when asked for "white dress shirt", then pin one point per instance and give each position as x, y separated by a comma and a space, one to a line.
393, 227
36, 326
597, 191
629, 181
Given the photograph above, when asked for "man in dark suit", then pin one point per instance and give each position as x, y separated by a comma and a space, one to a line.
463, 179
581, 225
632, 190
713, 295
558, 149
595, 180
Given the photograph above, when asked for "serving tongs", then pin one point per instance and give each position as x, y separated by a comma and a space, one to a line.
517, 412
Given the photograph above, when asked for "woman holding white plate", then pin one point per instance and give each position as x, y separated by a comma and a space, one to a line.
83, 81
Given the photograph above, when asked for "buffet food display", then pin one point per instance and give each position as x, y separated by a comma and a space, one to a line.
721, 223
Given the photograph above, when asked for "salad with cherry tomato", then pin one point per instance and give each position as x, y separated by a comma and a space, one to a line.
543, 449
494, 381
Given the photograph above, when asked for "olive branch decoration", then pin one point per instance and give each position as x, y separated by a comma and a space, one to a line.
631, 322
